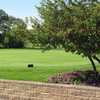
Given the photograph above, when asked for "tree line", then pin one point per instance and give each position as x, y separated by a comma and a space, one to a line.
14, 32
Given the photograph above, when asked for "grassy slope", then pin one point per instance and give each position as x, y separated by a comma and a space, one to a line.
13, 64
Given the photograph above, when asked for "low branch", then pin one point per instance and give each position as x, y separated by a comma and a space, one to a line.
96, 58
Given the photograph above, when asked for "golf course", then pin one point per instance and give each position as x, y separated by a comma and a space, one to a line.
14, 64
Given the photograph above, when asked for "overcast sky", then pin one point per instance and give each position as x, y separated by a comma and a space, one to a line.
20, 8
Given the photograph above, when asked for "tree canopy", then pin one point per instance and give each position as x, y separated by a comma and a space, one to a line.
71, 24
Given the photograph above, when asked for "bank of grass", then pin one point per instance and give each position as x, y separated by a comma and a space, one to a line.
13, 64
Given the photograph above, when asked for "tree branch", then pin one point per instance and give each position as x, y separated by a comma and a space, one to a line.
96, 58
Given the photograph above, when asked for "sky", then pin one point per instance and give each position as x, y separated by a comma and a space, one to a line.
20, 8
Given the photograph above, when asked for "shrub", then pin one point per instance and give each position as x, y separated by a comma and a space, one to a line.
78, 77
67, 78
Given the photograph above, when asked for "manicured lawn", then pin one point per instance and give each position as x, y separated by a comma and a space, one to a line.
13, 63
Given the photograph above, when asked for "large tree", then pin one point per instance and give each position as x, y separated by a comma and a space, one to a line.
71, 24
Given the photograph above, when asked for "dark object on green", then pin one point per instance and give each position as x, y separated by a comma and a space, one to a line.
30, 66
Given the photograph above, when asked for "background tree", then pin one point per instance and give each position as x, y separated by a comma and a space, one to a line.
13, 31
4, 27
18, 34
72, 24
33, 35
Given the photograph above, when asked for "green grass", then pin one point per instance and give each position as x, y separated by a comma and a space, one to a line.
13, 64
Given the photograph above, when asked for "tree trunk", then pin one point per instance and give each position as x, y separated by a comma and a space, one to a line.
95, 70
96, 58
93, 64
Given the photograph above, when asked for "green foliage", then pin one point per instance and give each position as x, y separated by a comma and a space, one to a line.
17, 35
74, 25
3, 25
13, 31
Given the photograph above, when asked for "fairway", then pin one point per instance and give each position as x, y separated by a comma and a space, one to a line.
13, 63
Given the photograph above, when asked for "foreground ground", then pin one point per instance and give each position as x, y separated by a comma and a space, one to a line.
13, 64
26, 90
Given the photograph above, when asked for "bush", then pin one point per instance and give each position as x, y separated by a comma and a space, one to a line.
67, 78
78, 77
